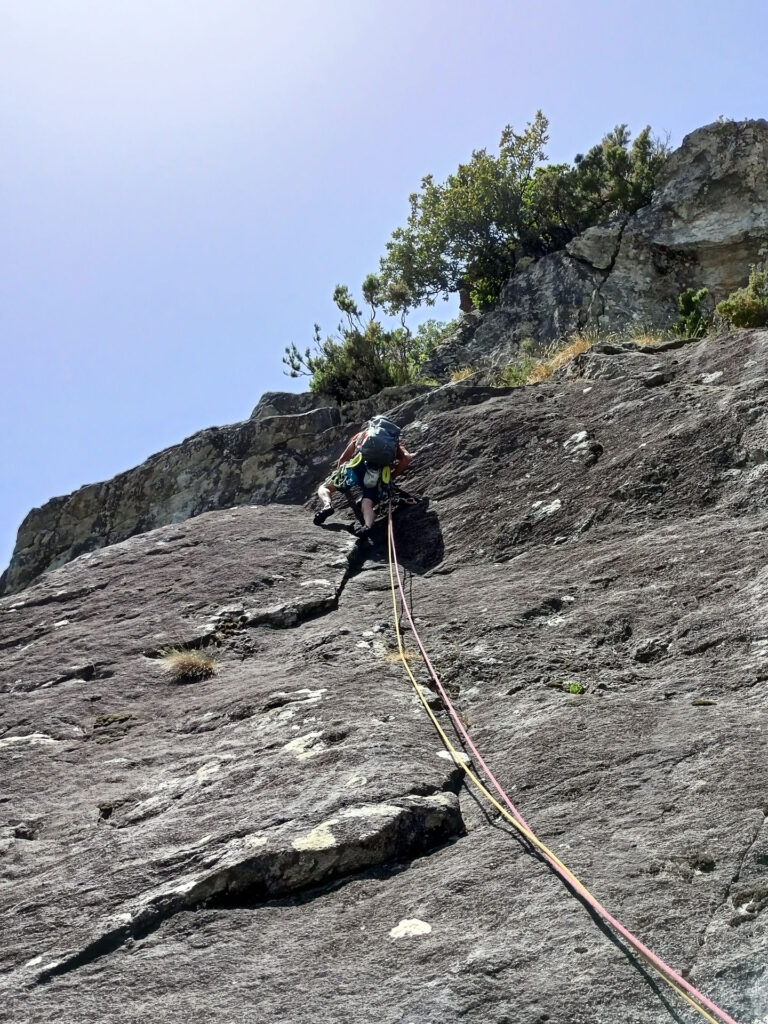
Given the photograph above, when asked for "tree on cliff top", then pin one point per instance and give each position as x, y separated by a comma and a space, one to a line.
471, 231
469, 234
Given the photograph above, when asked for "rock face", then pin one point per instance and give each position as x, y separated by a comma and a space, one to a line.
707, 223
287, 840
277, 455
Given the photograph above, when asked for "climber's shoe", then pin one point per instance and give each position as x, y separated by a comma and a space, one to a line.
362, 531
323, 514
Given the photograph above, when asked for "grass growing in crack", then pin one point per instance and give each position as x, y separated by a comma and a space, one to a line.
531, 370
566, 686
187, 666
460, 374
536, 370
410, 655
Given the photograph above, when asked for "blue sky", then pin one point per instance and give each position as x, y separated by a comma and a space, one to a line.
183, 182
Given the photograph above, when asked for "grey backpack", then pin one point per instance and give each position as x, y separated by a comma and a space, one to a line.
379, 442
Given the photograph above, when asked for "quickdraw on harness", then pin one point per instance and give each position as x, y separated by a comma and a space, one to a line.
344, 477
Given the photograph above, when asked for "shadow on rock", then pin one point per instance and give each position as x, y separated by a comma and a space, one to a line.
418, 537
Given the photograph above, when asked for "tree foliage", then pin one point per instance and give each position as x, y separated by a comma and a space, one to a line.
472, 230
469, 233
364, 356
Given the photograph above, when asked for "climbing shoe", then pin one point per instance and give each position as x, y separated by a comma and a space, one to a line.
362, 531
322, 515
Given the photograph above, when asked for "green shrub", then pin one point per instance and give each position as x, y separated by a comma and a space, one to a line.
692, 321
515, 375
364, 356
747, 307
485, 293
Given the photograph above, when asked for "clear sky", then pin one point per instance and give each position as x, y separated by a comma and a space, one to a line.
183, 182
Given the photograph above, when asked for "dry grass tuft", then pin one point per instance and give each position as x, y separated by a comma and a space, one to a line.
410, 656
461, 374
187, 666
558, 357
650, 339
535, 371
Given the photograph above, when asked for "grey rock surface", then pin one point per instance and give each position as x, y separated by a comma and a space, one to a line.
287, 839
279, 454
707, 223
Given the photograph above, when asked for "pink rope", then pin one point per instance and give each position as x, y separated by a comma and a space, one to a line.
445, 698
662, 967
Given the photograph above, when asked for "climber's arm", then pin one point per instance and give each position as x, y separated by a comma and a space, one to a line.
402, 461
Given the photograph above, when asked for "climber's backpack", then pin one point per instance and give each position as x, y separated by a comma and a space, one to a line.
378, 441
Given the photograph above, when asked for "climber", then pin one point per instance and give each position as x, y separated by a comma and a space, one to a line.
373, 457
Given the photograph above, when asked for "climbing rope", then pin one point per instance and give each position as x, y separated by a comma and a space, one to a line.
683, 988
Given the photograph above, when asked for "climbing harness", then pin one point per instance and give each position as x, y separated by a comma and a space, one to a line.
683, 988
344, 479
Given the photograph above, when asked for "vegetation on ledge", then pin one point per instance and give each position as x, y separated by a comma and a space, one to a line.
469, 234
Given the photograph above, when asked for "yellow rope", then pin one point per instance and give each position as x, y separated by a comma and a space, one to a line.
532, 839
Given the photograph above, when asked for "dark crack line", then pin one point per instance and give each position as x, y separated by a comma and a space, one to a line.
255, 882
702, 936
609, 270
623, 762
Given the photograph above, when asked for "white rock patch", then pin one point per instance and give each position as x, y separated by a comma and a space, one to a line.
320, 838
447, 756
207, 771
575, 439
541, 510
34, 738
372, 810
305, 746
410, 926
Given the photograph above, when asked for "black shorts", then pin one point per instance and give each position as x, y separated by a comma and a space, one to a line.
358, 472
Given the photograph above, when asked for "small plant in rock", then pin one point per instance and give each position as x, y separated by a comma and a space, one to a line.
747, 307
573, 688
693, 321
187, 666
515, 375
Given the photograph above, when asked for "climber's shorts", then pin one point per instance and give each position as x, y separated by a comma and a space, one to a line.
352, 474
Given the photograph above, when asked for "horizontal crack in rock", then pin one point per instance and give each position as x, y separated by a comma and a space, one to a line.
260, 867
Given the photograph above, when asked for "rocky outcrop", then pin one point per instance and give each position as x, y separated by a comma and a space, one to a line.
287, 840
707, 222
278, 455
